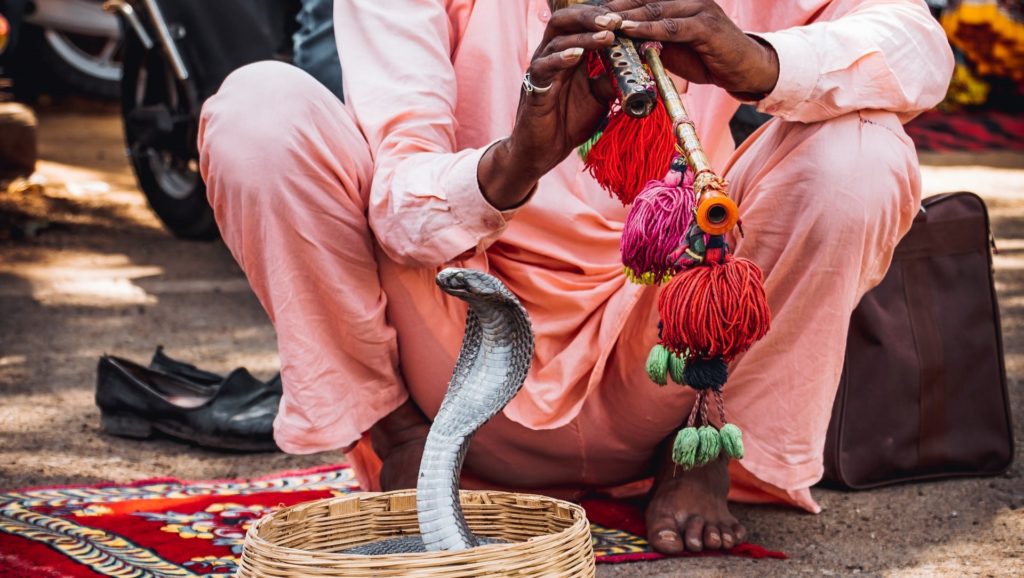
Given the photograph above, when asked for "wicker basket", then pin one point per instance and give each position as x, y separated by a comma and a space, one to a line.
547, 537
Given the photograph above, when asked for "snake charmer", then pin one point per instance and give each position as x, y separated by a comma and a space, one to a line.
455, 146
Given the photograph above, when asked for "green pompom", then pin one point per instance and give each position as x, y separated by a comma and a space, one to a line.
676, 365
657, 364
732, 441
585, 148
710, 445
684, 450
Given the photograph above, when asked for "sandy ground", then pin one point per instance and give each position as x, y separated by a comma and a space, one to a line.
102, 276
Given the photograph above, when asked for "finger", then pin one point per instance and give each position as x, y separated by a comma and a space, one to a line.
653, 11
547, 70
712, 537
580, 18
663, 535
586, 40
622, 5
693, 533
669, 29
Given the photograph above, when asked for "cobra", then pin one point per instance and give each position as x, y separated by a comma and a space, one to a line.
497, 349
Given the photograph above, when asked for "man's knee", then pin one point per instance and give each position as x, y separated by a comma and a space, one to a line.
254, 115
859, 178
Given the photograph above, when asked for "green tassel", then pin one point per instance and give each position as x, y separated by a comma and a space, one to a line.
732, 441
710, 445
676, 365
657, 364
584, 149
684, 450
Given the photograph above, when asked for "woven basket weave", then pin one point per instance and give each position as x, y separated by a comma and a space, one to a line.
547, 537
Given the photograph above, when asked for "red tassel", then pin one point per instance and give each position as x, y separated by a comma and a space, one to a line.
714, 309
631, 152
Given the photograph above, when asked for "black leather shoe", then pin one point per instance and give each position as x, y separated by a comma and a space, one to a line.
165, 363
236, 414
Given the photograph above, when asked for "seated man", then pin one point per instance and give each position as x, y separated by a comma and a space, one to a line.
341, 215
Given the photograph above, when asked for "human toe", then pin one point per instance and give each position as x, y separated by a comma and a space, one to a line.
664, 537
693, 533
728, 537
712, 537
740, 532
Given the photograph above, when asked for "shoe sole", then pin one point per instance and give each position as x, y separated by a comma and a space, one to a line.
135, 427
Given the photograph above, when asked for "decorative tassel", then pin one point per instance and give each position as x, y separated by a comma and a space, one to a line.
656, 226
631, 152
677, 368
715, 309
684, 450
584, 149
713, 306
701, 374
691, 250
658, 364
732, 441
710, 445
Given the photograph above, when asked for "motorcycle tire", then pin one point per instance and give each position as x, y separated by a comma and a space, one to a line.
79, 69
161, 122
39, 63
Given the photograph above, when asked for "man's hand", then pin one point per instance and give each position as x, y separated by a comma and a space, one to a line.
559, 117
701, 44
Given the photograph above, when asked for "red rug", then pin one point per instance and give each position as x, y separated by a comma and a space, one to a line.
967, 131
168, 528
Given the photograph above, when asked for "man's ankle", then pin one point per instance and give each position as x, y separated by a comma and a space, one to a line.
406, 425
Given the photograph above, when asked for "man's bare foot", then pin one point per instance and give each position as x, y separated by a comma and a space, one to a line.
688, 509
401, 467
398, 440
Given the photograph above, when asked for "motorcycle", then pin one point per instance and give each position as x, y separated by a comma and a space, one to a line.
176, 53
68, 43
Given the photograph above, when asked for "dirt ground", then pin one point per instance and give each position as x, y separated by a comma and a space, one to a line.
96, 273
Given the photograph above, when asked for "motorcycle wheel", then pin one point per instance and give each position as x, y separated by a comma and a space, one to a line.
161, 122
86, 63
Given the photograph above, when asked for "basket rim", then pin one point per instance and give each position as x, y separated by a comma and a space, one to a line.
580, 521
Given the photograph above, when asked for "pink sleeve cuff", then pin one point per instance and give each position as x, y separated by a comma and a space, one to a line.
478, 222
798, 73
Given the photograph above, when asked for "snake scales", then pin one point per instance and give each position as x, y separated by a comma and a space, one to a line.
497, 348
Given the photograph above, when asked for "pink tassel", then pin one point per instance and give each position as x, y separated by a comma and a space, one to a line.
656, 226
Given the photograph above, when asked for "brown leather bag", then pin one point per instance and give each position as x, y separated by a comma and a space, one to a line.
923, 391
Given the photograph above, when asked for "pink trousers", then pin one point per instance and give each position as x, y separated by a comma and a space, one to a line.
288, 175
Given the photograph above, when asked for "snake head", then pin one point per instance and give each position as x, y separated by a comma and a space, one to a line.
473, 286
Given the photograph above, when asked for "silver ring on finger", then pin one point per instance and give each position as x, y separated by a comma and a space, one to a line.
532, 88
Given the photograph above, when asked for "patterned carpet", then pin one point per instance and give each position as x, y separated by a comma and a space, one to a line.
169, 528
973, 132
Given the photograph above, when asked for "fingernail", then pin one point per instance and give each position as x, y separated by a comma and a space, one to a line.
668, 536
572, 53
607, 20
602, 35
629, 25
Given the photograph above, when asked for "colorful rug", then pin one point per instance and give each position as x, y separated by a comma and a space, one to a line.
973, 132
168, 528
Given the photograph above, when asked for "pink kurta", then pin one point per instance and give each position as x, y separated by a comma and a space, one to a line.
341, 216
